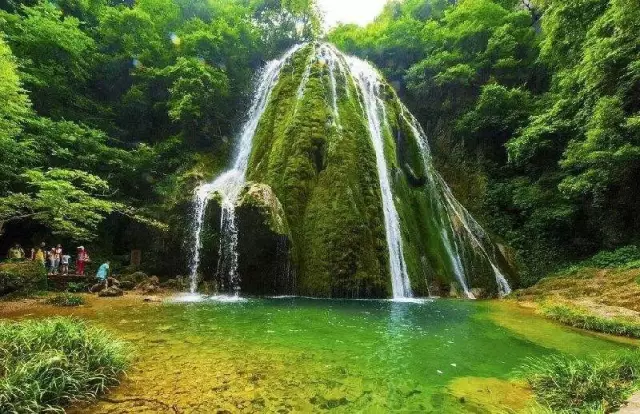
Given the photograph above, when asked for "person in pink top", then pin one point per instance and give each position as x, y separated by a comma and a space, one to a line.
81, 260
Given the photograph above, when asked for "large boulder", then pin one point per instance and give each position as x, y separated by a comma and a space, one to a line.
264, 243
149, 285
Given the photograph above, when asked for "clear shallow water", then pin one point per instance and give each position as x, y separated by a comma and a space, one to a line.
305, 355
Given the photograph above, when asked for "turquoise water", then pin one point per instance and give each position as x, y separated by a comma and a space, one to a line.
302, 355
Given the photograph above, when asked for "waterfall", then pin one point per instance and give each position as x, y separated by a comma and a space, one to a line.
450, 209
230, 183
458, 232
368, 81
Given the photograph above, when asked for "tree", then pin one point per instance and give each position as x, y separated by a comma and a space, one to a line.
56, 56
69, 202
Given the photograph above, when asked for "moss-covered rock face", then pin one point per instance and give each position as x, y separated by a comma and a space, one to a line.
316, 183
324, 173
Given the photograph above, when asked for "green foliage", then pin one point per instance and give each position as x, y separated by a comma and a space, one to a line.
15, 103
65, 299
582, 319
621, 257
76, 287
47, 364
570, 385
57, 56
627, 257
126, 99
22, 277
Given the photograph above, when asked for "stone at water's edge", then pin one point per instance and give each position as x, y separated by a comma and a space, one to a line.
264, 244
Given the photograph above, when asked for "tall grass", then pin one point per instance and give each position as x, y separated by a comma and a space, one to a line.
582, 319
48, 364
594, 385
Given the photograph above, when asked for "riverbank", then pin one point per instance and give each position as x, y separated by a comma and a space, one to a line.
597, 299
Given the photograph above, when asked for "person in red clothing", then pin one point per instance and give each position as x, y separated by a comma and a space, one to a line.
81, 260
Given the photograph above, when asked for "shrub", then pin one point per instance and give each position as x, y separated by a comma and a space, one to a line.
582, 319
66, 299
47, 364
571, 385
75, 287
22, 277
616, 258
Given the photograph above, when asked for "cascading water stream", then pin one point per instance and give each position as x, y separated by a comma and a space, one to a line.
367, 79
230, 183
454, 209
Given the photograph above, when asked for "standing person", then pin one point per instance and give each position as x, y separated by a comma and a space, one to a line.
81, 260
58, 256
39, 255
103, 273
53, 268
21, 254
64, 264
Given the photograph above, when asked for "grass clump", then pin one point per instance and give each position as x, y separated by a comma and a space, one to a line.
66, 299
582, 319
48, 364
571, 385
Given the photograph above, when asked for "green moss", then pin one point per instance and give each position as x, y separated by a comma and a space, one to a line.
262, 198
326, 179
324, 174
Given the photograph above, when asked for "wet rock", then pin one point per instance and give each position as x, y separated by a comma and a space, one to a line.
149, 286
479, 293
178, 283
135, 278
127, 285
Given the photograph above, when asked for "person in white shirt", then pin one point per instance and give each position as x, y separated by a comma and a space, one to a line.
64, 264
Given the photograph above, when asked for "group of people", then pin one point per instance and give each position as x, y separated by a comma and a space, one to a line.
57, 259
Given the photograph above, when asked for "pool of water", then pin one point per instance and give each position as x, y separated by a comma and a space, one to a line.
305, 355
